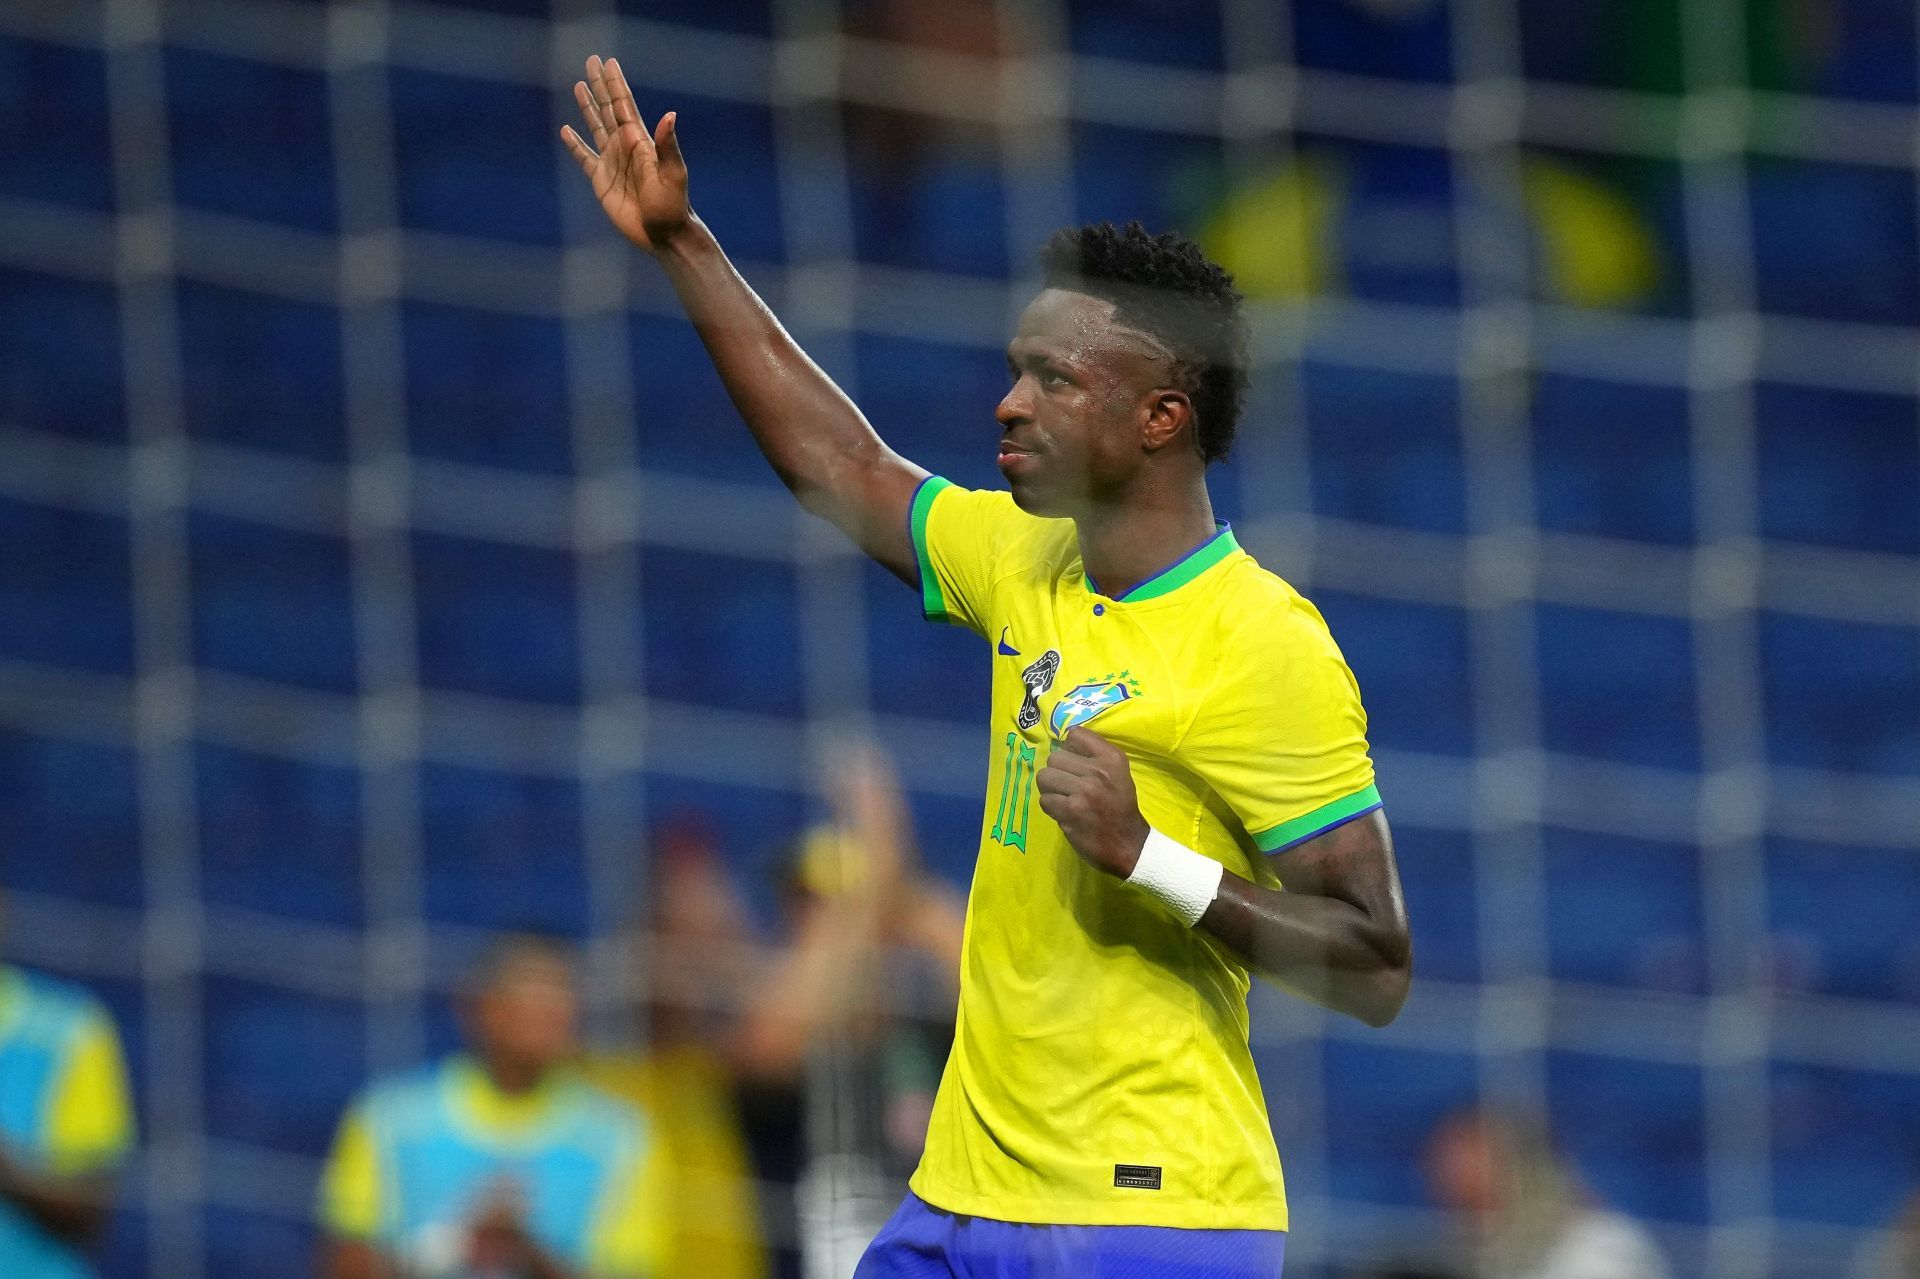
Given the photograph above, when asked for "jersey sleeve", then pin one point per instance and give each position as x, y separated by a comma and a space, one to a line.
1281, 735
958, 536
90, 1115
350, 1185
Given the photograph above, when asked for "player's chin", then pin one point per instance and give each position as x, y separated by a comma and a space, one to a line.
1034, 495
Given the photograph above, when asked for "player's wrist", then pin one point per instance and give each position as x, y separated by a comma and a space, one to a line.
1185, 881
683, 245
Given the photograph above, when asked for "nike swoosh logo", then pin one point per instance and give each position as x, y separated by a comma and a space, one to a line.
1006, 649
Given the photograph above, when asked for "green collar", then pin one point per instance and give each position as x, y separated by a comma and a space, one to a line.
1180, 572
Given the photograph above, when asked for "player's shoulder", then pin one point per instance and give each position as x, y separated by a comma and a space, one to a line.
1259, 615
598, 1120
1016, 539
405, 1099
602, 1106
54, 1010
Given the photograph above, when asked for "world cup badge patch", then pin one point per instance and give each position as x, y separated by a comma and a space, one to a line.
1083, 702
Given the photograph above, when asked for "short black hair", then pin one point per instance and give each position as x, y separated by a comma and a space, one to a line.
505, 954
1165, 286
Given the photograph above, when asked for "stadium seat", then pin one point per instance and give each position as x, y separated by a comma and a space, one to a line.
1148, 30
1845, 1144
494, 618
261, 372
487, 388
64, 374
1652, 1167
241, 1244
739, 650
1611, 459
1389, 1100
1835, 242
1617, 685
280, 170
1386, 446
1409, 42
273, 603
1863, 496
278, 1066
1835, 694
280, 837
1412, 706
68, 601
1842, 919
503, 851
70, 819
53, 129
1437, 875
1607, 922
475, 157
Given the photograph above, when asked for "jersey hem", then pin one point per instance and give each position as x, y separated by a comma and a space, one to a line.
933, 605
1278, 839
1271, 1215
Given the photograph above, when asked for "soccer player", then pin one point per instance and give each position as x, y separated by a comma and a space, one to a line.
1179, 787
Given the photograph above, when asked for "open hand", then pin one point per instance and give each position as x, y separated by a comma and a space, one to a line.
1087, 788
639, 178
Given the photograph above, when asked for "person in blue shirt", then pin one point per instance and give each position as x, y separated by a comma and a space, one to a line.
66, 1123
500, 1161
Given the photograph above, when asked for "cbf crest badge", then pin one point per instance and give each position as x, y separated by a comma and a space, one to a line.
1083, 702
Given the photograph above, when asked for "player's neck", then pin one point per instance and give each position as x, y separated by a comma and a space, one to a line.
1127, 543
514, 1078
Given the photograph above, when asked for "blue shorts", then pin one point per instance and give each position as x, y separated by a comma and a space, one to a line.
922, 1242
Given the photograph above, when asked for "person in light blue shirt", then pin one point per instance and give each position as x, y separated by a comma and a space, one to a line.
501, 1161
66, 1123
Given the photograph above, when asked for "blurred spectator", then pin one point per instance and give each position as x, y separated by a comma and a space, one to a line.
856, 1012
1380, 222
832, 1037
501, 1162
1895, 1252
65, 1125
1527, 1216
701, 947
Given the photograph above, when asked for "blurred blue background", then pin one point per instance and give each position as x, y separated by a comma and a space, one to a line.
382, 561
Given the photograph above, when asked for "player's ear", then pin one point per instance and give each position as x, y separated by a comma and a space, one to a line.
1169, 415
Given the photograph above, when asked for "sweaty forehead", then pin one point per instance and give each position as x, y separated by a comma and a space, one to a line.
1080, 327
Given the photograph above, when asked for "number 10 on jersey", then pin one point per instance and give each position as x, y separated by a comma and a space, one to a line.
1016, 794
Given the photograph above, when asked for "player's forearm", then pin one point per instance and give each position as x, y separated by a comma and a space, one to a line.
824, 980
815, 437
1328, 950
354, 1259
71, 1209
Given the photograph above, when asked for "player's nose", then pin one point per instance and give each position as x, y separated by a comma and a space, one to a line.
1015, 407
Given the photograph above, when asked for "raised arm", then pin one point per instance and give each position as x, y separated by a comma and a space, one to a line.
818, 442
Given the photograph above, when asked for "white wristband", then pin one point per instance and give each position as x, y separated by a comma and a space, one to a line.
1185, 880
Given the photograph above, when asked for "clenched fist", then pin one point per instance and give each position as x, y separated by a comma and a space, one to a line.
1087, 788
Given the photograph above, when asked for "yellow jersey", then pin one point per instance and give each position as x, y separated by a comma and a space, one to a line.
711, 1207
1100, 1072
